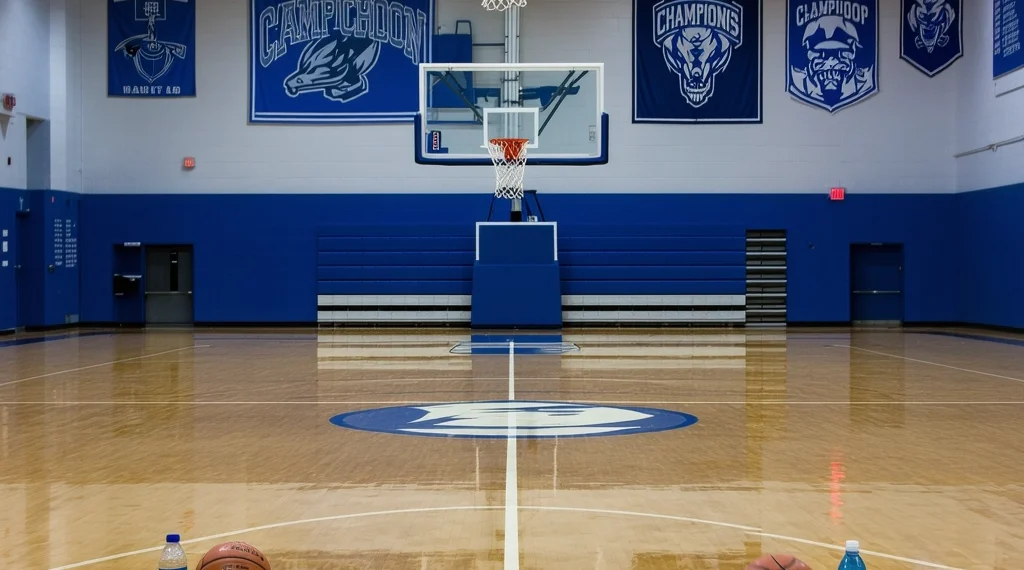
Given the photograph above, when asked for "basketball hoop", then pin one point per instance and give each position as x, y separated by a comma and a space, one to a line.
509, 158
502, 5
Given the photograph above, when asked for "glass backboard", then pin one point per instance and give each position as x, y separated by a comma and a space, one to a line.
558, 107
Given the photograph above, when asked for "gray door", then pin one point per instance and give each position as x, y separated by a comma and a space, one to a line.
168, 285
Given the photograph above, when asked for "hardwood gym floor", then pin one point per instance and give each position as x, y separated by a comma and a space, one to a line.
911, 442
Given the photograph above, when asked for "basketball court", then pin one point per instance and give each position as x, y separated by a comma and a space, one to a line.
278, 271
396, 449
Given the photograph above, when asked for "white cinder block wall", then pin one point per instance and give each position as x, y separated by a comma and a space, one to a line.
982, 118
40, 64
25, 72
900, 140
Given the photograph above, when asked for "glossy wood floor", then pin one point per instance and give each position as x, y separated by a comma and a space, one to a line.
912, 443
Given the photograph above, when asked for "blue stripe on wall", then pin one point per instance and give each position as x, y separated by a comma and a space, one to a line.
990, 275
36, 295
256, 255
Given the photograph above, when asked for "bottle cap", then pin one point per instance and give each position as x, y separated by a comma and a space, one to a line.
852, 546
173, 538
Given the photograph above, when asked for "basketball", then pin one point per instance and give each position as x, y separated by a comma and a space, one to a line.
234, 556
778, 562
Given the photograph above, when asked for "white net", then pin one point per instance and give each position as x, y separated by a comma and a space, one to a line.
502, 5
509, 158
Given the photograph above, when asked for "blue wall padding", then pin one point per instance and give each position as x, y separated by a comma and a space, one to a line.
654, 244
520, 243
516, 295
385, 259
653, 287
642, 258
36, 295
256, 255
989, 277
516, 278
394, 273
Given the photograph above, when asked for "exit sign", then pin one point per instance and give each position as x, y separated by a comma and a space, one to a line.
837, 194
189, 163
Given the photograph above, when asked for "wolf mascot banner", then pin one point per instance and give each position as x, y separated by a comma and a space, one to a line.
832, 51
151, 48
931, 37
697, 61
337, 61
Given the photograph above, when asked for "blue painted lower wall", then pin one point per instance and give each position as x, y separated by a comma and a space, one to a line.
8, 289
990, 275
255, 255
39, 287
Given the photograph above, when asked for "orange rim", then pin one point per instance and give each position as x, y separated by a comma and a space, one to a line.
512, 147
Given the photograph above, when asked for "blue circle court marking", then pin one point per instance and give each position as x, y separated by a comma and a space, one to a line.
533, 420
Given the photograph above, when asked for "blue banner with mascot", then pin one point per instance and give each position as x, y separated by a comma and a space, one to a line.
931, 36
151, 48
832, 51
337, 61
697, 61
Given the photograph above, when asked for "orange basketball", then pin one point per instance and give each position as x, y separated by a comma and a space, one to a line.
778, 562
234, 556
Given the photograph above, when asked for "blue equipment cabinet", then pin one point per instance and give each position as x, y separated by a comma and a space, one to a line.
516, 280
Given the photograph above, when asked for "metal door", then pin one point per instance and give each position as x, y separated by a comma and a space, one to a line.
876, 283
168, 282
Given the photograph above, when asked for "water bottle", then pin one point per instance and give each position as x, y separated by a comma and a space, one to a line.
852, 560
173, 557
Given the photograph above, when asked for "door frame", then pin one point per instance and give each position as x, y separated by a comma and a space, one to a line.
21, 231
145, 281
899, 246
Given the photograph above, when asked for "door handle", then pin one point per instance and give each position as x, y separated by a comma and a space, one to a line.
877, 292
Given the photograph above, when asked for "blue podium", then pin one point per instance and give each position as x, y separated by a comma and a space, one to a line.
516, 280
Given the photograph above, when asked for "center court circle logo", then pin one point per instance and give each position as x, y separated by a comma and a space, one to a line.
530, 420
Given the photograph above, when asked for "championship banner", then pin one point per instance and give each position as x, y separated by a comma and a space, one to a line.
832, 51
1007, 21
931, 36
151, 48
697, 61
337, 61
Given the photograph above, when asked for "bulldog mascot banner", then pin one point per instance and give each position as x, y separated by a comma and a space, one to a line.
697, 61
832, 51
337, 61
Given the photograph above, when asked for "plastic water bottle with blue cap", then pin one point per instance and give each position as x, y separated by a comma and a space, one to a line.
173, 557
852, 560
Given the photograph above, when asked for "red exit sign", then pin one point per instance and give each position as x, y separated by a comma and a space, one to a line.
837, 194
189, 163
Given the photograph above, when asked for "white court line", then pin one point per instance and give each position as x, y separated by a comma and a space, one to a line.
932, 363
843, 549
511, 473
103, 364
743, 528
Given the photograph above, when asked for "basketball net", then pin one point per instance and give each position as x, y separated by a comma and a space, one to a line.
502, 5
509, 158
